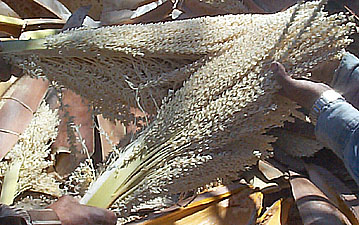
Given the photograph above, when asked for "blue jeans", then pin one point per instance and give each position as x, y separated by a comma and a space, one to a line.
337, 127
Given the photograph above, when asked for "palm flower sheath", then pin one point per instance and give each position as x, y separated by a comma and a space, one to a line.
214, 124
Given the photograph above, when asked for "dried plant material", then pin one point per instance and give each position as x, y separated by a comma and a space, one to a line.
32, 149
225, 100
220, 114
238, 209
313, 205
326, 182
277, 214
264, 186
37, 34
15, 27
120, 12
95, 11
268, 170
229, 6
9, 184
145, 68
5, 10
77, 18
297, 139
268, 6
4, 86
55, 7
10, 25
74, 112
34, 200
190, 9
224, 204
80, 179
295, 144
16, 109
111, 5
29, 9
111, 134
156, 13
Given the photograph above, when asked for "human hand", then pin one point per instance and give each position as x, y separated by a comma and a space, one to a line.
71, 212
304, 92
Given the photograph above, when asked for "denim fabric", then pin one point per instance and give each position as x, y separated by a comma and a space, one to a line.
337, 127
347, 73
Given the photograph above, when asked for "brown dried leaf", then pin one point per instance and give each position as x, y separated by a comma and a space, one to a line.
77, 18
228, 205
29, 9
337, 192
125, 14
268, 6
17, 110
268, 170
7, 11
313, 205
55, 7
113, 5
277, 214
79, 110
95, 11
160, 13
193, 9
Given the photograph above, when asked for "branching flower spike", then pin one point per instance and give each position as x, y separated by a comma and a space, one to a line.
31, 151
214, 125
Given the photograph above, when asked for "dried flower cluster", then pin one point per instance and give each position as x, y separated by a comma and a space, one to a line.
79, 180
33, 149
146, 68
214, 125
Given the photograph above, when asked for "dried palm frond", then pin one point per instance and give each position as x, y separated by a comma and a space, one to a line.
210, 128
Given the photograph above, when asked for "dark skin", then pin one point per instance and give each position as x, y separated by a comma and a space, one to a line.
71, 212
304, 92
